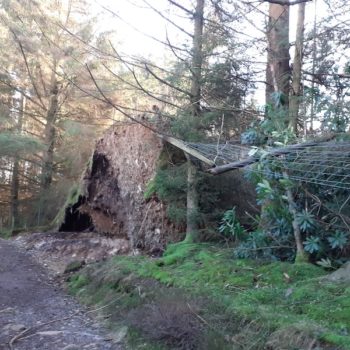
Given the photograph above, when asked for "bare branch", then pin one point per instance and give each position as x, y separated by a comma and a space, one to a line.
165, 82
147, 91
168, 19
139, 87
138, 63
3, 81
181, 7
338, 75
28, 69
138, 30
89, 94
188, 66
108, 101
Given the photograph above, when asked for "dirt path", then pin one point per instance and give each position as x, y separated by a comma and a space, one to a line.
29, 298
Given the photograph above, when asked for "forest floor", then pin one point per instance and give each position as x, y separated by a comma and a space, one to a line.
36, 314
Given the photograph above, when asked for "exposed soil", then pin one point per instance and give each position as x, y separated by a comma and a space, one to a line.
30, 299
112, 199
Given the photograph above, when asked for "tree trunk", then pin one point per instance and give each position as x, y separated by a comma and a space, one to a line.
197, 58
14, 193
15, 171
48, 156
277, 70
301, 256
294, 102
314, 58
195, 99
192, 201
50, 134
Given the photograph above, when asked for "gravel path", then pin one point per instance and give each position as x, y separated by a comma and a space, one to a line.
30, 300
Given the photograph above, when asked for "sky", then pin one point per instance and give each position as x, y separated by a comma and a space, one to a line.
136, 23
135, 17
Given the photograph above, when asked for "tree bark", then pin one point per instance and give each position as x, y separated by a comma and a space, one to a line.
197, 58
15, 171
195, 99
192, 201
314, 57
50, 135
301, 256
277, 70
295, 97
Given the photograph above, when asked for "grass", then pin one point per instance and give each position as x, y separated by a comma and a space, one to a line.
276, 296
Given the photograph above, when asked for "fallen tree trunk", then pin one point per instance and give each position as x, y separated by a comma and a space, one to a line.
273, 153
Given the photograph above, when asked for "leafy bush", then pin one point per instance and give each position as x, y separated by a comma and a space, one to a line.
306, 221
338, 240
256, 246
312, 244
230, 228
323, 212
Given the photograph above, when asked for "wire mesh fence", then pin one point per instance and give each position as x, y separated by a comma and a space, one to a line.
324, 164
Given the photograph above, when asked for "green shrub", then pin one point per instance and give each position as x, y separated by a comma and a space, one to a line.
230, 228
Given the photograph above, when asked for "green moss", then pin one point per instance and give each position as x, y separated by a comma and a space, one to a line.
177, 253
77, 282
72, 198
279, 295
301, 258
150, 189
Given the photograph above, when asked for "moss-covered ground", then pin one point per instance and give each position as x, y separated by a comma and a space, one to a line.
290, 305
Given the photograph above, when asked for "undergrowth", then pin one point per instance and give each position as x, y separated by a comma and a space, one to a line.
265, 301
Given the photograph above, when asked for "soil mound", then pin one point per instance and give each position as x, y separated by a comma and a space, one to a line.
112, 197
112, 200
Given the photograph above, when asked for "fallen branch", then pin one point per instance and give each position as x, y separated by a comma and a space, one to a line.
9, 309
31, 329
184, 147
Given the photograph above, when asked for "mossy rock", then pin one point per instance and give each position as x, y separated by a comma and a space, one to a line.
340, 275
